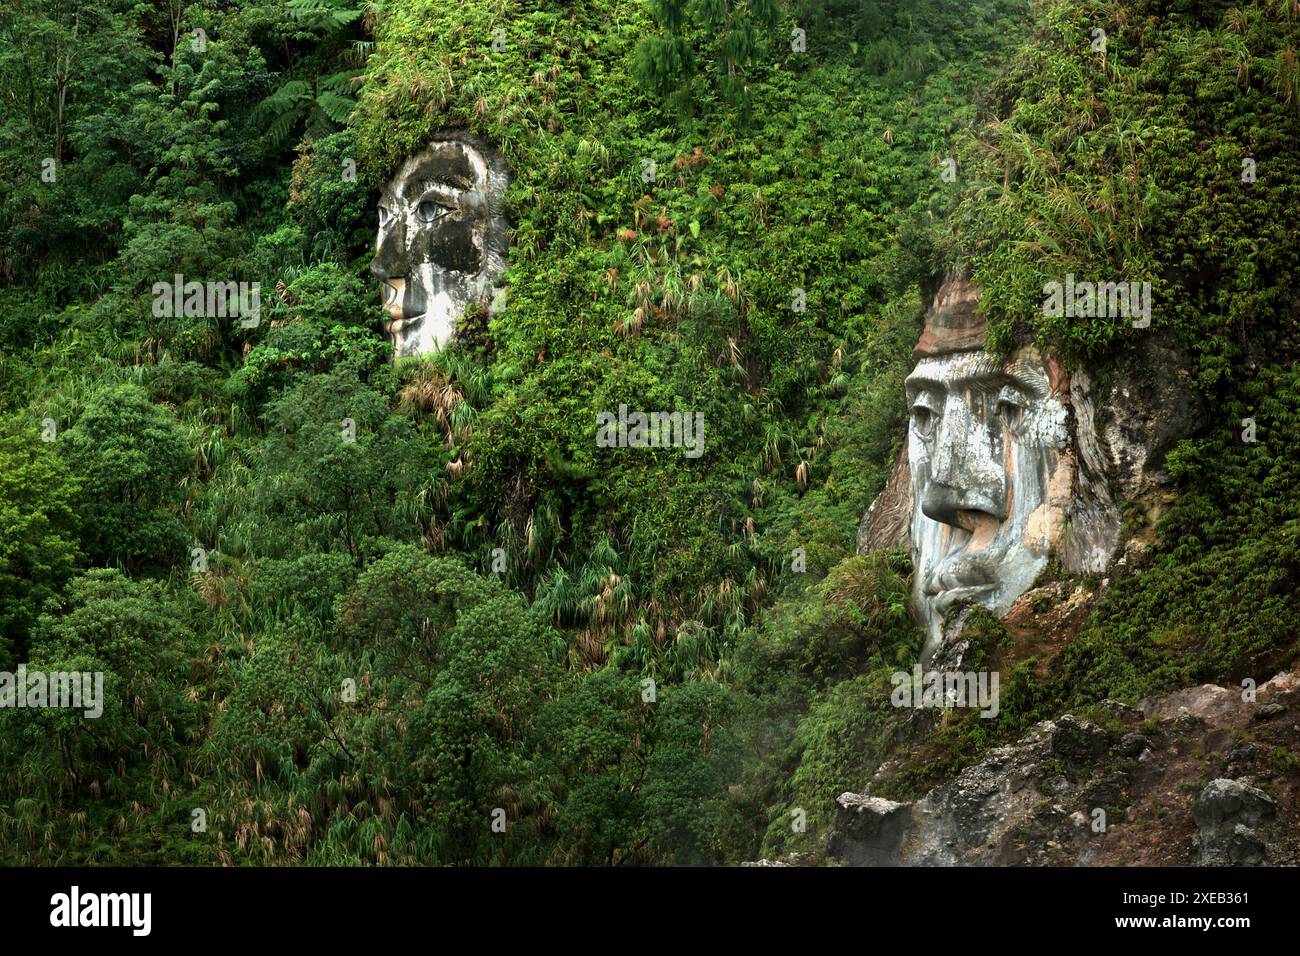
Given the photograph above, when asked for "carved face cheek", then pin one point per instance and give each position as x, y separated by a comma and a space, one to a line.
452, 243
391, 262
1047, 475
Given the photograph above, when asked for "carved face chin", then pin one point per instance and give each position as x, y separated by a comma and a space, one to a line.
989, 482
437, 248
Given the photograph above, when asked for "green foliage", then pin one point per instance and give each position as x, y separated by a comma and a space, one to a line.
129, 457
462, 666
140, 639
735, 32
67, 173
317, 324
323, 103
329, 201
842, 740
336, 467
355, 677
640, 781
39, 533
279, 712
1128, 164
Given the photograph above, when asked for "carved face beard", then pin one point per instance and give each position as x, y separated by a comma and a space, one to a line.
430, 250
983, 452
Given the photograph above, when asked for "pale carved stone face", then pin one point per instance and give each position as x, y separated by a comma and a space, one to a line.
991, 482
442, 241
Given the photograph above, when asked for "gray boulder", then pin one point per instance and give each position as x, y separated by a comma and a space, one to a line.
1231, 815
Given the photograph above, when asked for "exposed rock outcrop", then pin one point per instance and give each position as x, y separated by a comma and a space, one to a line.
1231, 814
1123, 432
887, 523
1072, 792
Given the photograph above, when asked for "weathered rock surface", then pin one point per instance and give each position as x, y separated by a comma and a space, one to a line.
1072, 792
1123, 432
1232, 815
887, 523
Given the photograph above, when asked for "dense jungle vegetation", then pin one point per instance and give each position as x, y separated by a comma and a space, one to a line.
314, 643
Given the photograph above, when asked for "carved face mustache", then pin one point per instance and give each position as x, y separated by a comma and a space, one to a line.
969, 555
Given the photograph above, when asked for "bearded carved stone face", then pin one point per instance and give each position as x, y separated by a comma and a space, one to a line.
442, 241
991, 477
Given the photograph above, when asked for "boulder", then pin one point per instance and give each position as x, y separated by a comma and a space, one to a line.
1229, 814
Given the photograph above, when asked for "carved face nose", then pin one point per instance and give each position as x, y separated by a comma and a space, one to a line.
967, 477
959, 507
390, 260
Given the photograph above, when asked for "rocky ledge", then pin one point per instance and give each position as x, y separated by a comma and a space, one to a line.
1199, 776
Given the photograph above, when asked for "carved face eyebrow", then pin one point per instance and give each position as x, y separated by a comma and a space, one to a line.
916, 384
977, 371
440, 172
418, 189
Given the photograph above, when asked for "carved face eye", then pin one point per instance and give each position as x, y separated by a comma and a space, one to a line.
384, 216
1010, 408
924, 417
430, 211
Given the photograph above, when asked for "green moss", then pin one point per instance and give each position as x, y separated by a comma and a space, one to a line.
1127, 165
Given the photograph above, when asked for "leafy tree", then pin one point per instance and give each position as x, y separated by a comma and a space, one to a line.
307, 584
66, 168
320, 104
332, 206
337, 467
468, 667
277, 717
182, 221
733, 31
138, 636
319, 321
130, 457
39, 546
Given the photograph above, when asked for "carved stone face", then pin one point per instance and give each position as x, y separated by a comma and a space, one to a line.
991, 483
442, 241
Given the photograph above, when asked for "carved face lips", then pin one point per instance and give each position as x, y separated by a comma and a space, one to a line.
429, 250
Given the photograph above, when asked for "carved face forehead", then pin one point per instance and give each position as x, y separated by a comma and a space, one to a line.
447, 167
